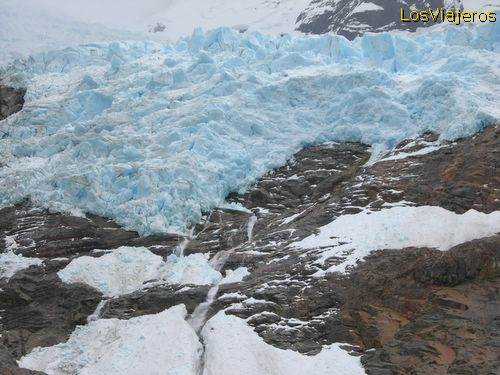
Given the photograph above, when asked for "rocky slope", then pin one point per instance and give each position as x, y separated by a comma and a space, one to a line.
414, 310
352, 18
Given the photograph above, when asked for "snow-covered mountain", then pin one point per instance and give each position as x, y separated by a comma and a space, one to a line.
235, 202
352, 18
268, 16
34, 26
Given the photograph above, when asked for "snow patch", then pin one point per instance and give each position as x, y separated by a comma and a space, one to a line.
353, 237
365, 7
127, 269
231, 344
152, 344
10, 263
235, 276
404, 155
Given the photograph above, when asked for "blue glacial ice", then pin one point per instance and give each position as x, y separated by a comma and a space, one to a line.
153, 134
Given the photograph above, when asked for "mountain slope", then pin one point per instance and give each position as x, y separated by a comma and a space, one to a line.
352, 18
418, 309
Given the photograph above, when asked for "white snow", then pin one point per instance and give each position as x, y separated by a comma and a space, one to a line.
291, 218
365, 7
127, 269
353, 237
11, 262
32, 26
233, 347
151, 134
272, 17
404, 155
166, 344
235, 276
152, 344
27, 27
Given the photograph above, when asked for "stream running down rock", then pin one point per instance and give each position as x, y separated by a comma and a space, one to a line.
389, 264
199, 316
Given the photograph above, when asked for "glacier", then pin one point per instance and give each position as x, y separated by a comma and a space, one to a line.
154, 134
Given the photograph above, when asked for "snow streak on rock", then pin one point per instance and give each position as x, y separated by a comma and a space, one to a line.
10, 263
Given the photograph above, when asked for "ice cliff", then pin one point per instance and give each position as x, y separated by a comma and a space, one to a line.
153, 134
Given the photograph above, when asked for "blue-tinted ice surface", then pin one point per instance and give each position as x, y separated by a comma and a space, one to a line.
152, 135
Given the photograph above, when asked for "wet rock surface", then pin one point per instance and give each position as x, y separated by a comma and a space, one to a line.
415, 310
11, 100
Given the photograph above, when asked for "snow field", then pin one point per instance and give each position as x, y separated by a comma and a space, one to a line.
396, 228
165, 344
152, 344
231, 344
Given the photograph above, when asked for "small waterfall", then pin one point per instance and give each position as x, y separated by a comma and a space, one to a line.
179, 251
199, 316
250, 224
219, 260
96, 314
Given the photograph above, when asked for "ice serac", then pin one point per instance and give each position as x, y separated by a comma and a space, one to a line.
151, 135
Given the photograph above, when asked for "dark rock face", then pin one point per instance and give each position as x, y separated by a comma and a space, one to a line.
8, 365
39, 233
39, 310
11, 101
415, 310
352, 18
428, 312
153, 301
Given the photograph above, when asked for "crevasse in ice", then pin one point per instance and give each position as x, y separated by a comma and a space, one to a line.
151, 135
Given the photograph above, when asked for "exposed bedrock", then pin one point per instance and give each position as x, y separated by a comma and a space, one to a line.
414, 310
353, 18
11, 100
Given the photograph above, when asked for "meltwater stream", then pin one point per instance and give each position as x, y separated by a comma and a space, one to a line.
179, 251
198, 318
